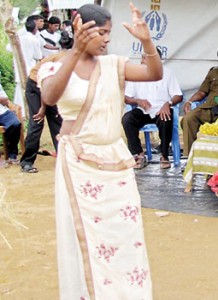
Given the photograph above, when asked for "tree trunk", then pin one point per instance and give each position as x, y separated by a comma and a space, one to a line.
16, 49
10, 30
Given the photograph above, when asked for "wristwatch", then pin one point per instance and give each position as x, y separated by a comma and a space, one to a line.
170, 102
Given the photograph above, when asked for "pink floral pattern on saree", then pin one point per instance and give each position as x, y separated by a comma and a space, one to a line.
92, 190
106, 252
107, 281
122, 183
137, 276
138, 244
130, 212
97, 219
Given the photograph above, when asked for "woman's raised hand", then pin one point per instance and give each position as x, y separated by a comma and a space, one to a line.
139, 28
83, 33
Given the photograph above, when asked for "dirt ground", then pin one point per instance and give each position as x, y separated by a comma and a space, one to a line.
183, 249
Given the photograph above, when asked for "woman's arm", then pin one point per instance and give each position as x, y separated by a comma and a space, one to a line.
153, 71
53, 86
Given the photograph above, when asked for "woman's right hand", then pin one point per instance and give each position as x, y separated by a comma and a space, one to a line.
83, 33
139, 28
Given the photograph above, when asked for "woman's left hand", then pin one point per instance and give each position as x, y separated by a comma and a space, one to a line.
139, 27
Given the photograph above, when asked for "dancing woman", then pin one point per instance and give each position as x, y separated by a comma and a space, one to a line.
101, 248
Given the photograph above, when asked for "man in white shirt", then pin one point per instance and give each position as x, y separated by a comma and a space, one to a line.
152, 103
18, 95
12, 126
30, 46
51, 37
39, 21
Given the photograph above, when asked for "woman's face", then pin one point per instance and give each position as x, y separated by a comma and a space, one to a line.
98, 46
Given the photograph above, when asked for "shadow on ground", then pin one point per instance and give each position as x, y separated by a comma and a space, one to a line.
164, 190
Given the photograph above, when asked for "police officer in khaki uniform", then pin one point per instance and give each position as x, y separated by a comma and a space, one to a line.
206, 112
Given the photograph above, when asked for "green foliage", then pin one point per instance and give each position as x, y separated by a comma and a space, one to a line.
7, 78
6, 66
26, 7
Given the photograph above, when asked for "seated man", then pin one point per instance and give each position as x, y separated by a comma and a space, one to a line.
12, 126
206, 112
153, 103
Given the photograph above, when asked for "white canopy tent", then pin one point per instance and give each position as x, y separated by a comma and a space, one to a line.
185, 31
67, 4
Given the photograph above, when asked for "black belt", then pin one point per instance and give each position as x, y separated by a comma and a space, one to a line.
33, 81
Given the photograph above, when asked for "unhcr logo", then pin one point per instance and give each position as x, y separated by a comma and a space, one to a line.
157, 24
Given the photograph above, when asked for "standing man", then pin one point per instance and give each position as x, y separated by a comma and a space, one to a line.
153, 102
30, 46
39, 21
206, 112
51, 37
37, 111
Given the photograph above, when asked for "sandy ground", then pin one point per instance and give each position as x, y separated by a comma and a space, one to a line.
183, 249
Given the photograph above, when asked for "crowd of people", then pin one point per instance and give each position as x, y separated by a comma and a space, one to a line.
82, 92
37, 45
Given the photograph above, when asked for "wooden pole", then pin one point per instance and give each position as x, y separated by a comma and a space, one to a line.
14, 41
11, 32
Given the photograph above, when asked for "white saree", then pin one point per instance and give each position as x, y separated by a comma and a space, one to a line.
101, 248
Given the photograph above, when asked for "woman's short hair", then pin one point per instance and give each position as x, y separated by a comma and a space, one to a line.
90, 12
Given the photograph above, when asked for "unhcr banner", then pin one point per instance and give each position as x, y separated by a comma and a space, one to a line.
67, 4
185, 31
